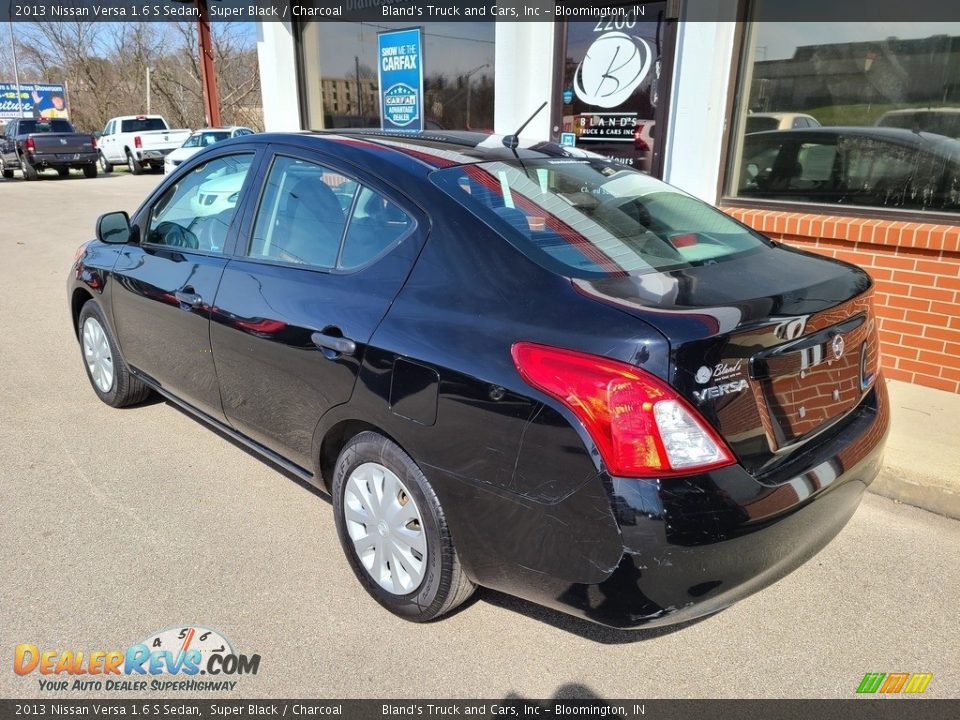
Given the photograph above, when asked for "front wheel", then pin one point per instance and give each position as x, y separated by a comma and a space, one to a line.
63, 172
5, 171
394, 532
133, 165
107, 167
108, 373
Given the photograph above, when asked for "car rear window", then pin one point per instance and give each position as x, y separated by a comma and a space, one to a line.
759, 124
582, 218
142, 125
28, 127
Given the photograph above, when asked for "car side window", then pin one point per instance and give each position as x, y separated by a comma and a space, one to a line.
303, 213
196, 211
375, 225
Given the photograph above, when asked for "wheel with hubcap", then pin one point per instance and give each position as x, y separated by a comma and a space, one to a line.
394, 532
104, 165
108, 373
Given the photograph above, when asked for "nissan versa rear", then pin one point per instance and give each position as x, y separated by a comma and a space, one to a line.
523, 368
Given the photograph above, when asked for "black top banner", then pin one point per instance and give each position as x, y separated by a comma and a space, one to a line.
602, 11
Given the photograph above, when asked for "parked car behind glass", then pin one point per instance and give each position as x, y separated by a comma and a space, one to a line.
759, 122
534, 370
873, 167
200, 139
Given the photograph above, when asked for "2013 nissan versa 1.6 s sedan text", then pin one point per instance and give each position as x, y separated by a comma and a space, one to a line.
522, 367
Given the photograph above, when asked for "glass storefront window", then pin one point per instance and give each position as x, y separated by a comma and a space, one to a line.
853, 114
339, 74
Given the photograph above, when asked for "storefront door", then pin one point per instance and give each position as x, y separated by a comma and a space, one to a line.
614, 81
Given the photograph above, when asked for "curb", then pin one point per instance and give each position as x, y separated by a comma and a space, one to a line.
907, 487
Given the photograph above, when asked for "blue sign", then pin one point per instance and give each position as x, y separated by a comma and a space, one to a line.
567, 97
400, 71
36, 100
568, 139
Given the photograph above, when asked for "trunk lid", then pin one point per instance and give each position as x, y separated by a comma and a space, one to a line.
163, 139
46, 144
773, 347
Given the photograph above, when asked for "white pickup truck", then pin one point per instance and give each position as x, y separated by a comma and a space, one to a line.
138, 141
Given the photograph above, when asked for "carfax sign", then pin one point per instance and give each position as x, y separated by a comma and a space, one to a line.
400, 71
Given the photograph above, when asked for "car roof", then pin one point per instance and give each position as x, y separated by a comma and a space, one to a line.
430, 150
921, 140
915, 111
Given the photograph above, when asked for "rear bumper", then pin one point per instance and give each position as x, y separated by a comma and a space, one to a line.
62, 159
695, 545
153, 155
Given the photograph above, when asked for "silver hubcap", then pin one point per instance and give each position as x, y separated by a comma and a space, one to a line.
96, 352
386, 528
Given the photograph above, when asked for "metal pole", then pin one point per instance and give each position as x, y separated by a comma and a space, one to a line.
208, 73
356, 64
16, 69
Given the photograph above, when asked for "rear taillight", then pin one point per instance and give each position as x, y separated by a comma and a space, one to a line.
641, 426
29, 145
93, 142
137, 142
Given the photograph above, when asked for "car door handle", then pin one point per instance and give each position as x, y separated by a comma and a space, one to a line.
339, 345
188, 298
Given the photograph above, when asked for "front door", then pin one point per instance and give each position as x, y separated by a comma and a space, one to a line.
165, 285
613, 84
326, 254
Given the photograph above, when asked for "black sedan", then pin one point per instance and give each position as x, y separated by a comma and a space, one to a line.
526, 368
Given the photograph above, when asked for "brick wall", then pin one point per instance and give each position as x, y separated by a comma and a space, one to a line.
916, 267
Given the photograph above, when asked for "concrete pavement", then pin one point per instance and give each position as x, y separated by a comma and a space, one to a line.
118, 523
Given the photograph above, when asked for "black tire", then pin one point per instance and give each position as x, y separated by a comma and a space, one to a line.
107, 167
133, 165
28, 170
126, 389
63, 172
444, 585
5, 171
90, 171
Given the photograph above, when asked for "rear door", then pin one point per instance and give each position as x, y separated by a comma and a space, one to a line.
325, 252
165, 284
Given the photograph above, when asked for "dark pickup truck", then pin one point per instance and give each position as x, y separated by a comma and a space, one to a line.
35, 145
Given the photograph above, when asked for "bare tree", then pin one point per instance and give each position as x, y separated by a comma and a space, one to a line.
105, 68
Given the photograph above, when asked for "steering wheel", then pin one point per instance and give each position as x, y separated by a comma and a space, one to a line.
169, 233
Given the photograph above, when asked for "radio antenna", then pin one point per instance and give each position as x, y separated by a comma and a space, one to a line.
513, 141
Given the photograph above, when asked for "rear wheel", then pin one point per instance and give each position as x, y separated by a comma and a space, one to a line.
28, 170
108, 373
133, 165
5, 171
394, 532
90, 171
104, 165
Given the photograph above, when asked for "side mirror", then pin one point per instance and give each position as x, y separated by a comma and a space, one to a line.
114, 227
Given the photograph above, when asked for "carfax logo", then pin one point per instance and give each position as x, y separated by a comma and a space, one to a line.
187, 651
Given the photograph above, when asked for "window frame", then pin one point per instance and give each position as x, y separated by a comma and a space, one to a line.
245, 236
732, 140
144, 212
